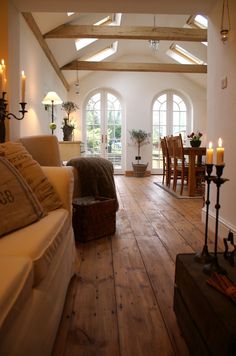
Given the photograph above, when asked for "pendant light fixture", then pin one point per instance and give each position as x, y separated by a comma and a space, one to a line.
225, 22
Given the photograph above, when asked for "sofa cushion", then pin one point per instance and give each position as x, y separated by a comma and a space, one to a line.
18, 204
39, 241
16, 278
16, 153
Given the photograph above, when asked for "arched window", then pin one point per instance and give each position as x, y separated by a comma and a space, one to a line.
171, 115
103, 117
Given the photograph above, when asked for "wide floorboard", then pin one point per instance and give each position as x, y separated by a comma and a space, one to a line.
121, 301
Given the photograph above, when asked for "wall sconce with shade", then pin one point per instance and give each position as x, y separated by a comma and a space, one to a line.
4, 114
225, 22
52, 99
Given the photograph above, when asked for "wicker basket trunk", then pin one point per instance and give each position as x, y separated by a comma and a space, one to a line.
93, 218
139, 169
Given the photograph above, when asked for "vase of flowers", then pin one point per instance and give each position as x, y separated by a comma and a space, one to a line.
68, 126
195, 139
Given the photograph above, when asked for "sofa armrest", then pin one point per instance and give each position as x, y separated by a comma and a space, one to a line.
62, 179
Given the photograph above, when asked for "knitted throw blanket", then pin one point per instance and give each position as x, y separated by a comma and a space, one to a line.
94, 177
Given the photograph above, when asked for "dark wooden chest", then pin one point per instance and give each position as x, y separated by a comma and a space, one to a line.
206, 317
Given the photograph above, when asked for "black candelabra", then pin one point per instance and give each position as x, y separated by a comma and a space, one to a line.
210, 261
4, 114
204, 256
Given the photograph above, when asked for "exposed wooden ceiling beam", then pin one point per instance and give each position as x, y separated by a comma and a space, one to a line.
127, 32
35, 29
135, 67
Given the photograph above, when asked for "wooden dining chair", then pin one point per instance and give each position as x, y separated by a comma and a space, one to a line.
165, 160
170, 162
181, 166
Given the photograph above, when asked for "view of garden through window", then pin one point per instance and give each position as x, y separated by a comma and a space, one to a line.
103, 127
169, 117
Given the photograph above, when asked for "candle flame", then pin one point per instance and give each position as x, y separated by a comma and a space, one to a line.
2, 62
23, 74
220, 142
210, 144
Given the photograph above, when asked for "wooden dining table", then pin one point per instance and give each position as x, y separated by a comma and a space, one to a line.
192, 153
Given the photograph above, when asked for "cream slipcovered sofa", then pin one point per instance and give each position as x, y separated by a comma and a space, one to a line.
37, 263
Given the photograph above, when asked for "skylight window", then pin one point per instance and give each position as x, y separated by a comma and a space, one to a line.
116, 20
106, 21
198, 21
84, 42
182, 56
105, 53
201, 21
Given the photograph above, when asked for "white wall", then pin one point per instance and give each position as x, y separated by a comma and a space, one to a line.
222, 108
137, 91
14, 70
41, 78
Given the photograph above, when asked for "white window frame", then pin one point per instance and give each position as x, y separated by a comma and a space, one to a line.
104, 92
169, 116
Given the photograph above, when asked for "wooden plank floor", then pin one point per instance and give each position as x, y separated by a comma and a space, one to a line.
121, 301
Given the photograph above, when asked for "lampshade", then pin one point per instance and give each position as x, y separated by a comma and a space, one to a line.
52, 97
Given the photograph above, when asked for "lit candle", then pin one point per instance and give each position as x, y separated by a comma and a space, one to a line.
1, 79
23, 78
209, 154
4, 80
5, 84
220, 153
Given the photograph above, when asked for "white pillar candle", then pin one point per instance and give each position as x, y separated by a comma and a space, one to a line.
23, 79
209, 154
4, 78
220, 153
1, 79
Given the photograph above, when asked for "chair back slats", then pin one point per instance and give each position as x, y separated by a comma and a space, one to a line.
178, 147
164, 147
165, 159
170, 146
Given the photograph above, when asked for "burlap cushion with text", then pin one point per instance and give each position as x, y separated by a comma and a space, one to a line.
16, 154
19, 206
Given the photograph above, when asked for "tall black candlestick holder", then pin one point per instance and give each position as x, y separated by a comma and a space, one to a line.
214, 266
204, 256
4, 114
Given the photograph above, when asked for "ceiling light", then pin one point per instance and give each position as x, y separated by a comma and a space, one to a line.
154, 44
225, 22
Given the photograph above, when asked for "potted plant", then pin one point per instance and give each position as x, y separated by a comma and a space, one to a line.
140, 138
68, 126
195, 139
